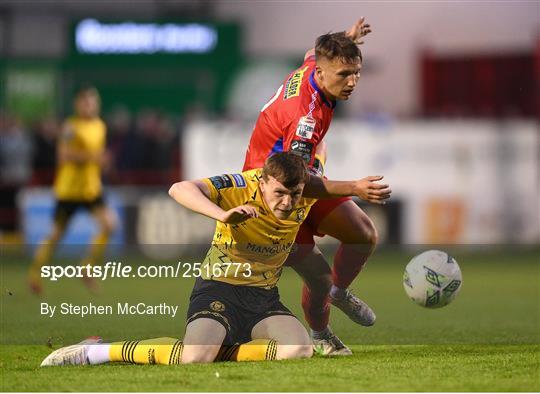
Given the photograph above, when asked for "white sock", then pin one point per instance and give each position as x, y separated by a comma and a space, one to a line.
327, 332
99, 353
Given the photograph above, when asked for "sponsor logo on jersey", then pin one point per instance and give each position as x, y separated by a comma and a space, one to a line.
318, 168
292, 86
305, 128
221, 181
269, 250
303, 149
239, 180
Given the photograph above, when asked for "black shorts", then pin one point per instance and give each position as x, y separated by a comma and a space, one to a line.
65, 209
237, 308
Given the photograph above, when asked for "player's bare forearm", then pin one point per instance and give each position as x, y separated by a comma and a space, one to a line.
321, 188
367, 189
194, 195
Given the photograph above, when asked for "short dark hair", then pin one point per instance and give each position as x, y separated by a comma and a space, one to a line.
287, 168
337, 45
85, 89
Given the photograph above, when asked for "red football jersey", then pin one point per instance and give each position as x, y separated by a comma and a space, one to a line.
295, 119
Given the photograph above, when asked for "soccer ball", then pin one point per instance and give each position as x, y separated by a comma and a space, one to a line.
432, 279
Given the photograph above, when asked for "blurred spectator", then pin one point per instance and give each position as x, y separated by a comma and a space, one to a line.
45, 133
122, 140
148, 124
144, 146
162, 144
15, 168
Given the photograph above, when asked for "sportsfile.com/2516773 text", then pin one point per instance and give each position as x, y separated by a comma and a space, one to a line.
113, 269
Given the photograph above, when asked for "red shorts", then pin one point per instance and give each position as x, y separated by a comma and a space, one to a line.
318, 212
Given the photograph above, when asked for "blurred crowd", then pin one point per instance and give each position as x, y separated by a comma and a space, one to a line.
144, 149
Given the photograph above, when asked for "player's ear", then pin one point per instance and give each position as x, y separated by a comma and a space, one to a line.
319, 72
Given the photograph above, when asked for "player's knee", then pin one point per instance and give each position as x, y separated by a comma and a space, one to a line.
302, 345
55, 236
305, 351
366, 234
287, 352
197, 354
53, 239
372, 236
109, 227
302, 351
196, 359
110, 224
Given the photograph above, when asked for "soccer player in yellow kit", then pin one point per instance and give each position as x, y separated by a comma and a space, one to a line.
81, 156
235, 312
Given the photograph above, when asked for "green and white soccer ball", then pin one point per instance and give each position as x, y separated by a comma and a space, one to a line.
432, 279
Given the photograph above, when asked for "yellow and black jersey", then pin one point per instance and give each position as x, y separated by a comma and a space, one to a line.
251, 253
80, 181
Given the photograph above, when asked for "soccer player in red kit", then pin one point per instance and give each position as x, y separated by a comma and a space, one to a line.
296, 119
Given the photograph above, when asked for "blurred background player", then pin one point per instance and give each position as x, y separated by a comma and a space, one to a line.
81, 157
296, 119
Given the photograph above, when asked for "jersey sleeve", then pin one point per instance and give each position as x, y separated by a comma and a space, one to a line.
227, 190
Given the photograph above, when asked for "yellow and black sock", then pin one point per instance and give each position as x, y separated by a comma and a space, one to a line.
165, 351
256, 350
97, 249
43, 254
168, 351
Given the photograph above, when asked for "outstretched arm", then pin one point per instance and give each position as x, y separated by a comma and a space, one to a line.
366, 189
357, 32
195, 195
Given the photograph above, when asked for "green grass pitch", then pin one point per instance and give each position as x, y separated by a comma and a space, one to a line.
487, 340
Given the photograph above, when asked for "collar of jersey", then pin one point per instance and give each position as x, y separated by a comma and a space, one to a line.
332, 103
